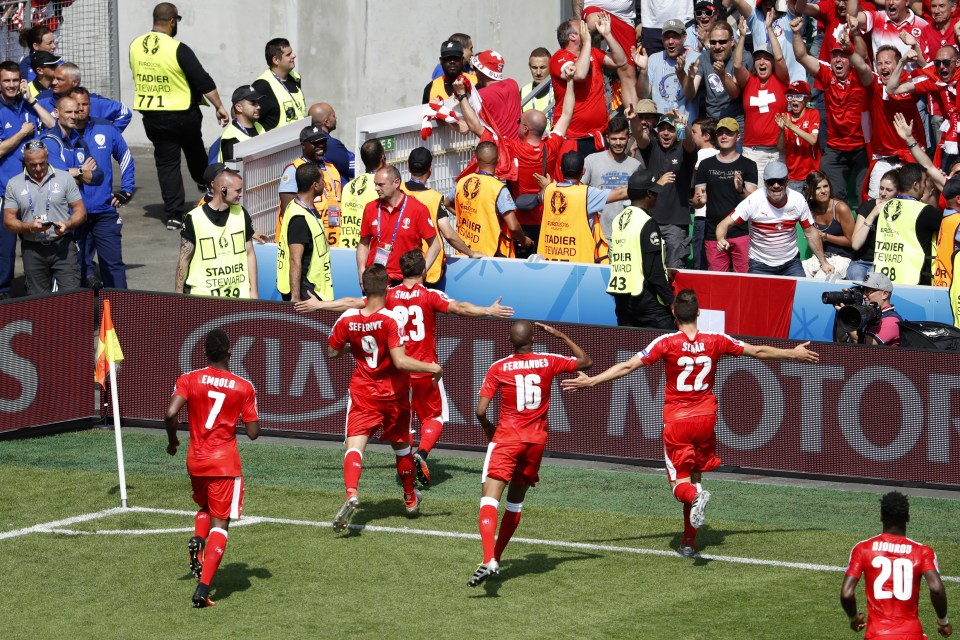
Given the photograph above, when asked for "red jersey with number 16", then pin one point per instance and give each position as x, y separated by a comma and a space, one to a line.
215, 399
370, 338
690, 366
415, 309
525, 379
893, 566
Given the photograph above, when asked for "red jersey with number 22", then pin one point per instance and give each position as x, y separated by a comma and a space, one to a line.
215, 399
415, 309
893, 566
690, 366
370, 338
525, 380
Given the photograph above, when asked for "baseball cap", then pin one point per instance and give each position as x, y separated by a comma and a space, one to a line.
674, 26
775, 170
952, 188
669, 119
451, 49
489, 63
210, 173
877, 281
730, 124
705, 4
44, 59
798, 88
641, 182
419, 161
246, 92
762, 48
312, 133
647, 107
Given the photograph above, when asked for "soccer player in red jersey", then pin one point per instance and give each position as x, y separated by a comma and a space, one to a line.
415, 308
518, 440
215, 398
893, 564
379, 390
690, 407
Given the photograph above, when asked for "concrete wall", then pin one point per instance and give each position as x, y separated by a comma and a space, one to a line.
361, 56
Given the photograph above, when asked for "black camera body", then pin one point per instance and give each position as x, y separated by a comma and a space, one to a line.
857, 317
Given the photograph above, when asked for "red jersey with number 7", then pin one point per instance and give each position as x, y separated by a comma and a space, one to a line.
690, 366
215, 399
415, 309
893, 566
524, 380
370, 338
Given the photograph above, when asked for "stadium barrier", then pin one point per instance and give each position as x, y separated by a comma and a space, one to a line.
890, 415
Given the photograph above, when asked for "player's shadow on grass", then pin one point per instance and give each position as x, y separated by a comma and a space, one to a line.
531, 564
371, 511
236, 576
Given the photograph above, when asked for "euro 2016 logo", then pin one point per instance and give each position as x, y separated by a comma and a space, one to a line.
897, 210
558, 203
223, 242
362, 186
624, 220
471, 188
151, 44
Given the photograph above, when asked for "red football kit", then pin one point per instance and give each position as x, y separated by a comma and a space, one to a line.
801, 156
845, 101
395, 231
893, 566
590, 114
762, 101
885, 140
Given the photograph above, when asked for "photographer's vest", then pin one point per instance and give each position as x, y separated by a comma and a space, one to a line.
159, 84
437, 88
897, 250
356, 195
567, 232
626, 252
477, 222
946, 241
234, 132
293, 106
319, 274
329, 198
431, 200
219, 264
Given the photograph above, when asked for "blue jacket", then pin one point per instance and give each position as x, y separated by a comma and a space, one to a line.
68, 152
100, 107
12, 117
105, 143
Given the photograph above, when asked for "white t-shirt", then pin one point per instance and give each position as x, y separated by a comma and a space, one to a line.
773, 230
626, 10
653, 13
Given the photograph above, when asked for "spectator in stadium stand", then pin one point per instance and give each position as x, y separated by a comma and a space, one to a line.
486, 212
66, 148
661, 76
501, 97
220, 269
43, 69
245, 123
690, 410
653, 13
892, 610
358, 192
845, 99
539, 64
704, 134
863, 241
467, 43
706, 13
47, 247
101, 232
638, 277
48, 13
623, 19
65, 78
520, 436
799, 135
282, 101
216, 399
674, 159
729, 178
313, 148
169, 83
392, 225
833, 220
831, 16
585, 134
647, 118
713, 71
303, 255
323, 116
773, 213
767, 28
451, 60
34, 39
943, 20
885, 27
611, 168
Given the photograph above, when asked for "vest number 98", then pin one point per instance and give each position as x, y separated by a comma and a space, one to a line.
902, 571
528, 391
890, 272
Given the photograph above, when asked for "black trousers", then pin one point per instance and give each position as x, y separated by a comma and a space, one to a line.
171, 133
643, 311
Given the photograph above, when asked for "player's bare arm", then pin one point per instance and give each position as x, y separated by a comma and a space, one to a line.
938, 598
848, 600
313, 303
405, 363
583, 381
252, 429
470, 310
583, 360
799, 353
170, 422
488, 427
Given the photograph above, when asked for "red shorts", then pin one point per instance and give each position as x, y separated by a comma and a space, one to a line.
899, 636
690, 446
623, 32
221, 496
366, 418
508, 461
428, 401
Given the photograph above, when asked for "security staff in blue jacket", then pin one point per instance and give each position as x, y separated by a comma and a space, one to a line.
65, 79
101, 232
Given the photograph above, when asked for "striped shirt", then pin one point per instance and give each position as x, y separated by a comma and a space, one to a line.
773, 230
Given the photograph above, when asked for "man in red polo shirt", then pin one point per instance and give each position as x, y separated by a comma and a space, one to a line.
393, 224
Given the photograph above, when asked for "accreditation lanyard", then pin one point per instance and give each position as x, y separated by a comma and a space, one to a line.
396, 227
246, 131
46, 210
292, 99
316, 214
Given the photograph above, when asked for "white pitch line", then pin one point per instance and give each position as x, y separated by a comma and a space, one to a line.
57, 527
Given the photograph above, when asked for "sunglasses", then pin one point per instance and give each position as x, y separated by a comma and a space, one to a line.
719, 42
796, 98
704, 12
178, 18
775, 182
34, 145
942, 63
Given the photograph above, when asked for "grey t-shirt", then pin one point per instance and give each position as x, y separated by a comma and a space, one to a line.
51, 197
600, 170
719, 104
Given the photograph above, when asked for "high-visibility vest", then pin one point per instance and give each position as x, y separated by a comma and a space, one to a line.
541, 104
431, 200
329, 198
567, 232
477, 222
626, 252
955, 291
159, 84
319, 274
219, 264
353, 200
946, 241
293, 106
233, 132
897, 251
437, 88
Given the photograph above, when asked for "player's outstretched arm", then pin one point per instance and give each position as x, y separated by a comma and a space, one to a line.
800, 353
313, 303
252, 429
470, 310
583, 381
170, 422
488, 427
938, 598
405, 363
583, 360
848, 600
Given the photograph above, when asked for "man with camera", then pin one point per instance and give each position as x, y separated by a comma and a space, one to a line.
864, 313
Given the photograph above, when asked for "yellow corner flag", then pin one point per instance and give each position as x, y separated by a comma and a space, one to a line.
108, 346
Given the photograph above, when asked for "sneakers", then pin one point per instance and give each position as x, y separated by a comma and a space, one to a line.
686, 550
201, 597
699, 508
421, 469
346, 513
174, 224
412, 502
483, 572
195, 549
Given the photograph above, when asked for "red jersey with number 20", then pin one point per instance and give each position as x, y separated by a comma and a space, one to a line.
690, 366
215, 399
893, 566
525, 380
371, 338
415, 309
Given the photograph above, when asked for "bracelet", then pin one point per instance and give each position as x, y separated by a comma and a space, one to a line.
912, 145
943, 621
32, 104
461, 97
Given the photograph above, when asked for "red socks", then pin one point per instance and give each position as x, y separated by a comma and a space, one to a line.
508, 524
405, 466
201, 524
429, 434
685, 492
212, 554
689, 533
352, 468
488, 527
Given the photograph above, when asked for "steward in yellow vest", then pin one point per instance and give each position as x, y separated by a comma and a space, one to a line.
451, 61
433, 201
569, 232
245, 125
906, 232
356, 194
303, 255
946, 247
313, 144
283, 100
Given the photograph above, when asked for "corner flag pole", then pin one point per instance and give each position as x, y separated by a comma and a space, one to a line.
108, 354
116, 432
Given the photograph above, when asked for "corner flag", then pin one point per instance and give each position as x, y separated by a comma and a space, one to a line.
108, 346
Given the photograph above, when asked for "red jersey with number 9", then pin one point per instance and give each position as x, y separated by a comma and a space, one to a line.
690, 366
893, 566
415, 309
371, 338
215, 399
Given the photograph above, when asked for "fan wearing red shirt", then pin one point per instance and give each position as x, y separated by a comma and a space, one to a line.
215, 399
379, 390
893, 565
415, 308
393, 224
799, 133
524, 380
689, 405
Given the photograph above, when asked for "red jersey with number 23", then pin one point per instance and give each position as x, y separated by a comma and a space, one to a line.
690, 366
370, 338
893, 566
215, 399
415, 309
524, 380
